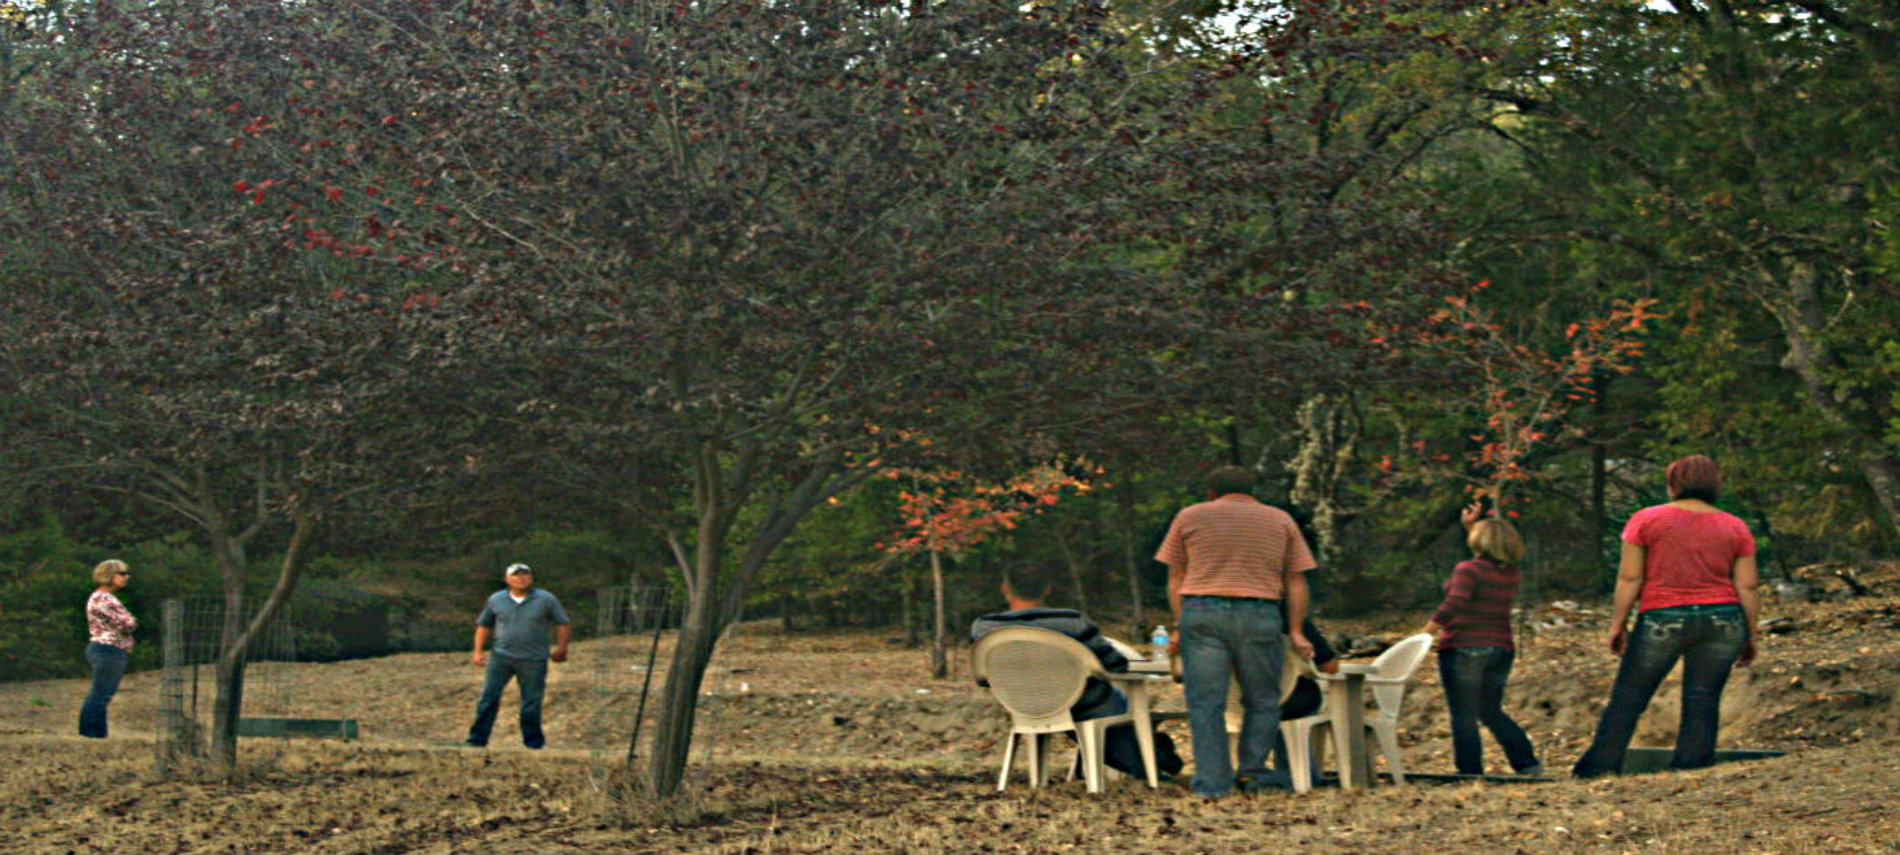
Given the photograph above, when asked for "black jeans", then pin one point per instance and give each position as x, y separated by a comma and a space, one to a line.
108, 666
1474, 679
1707, 638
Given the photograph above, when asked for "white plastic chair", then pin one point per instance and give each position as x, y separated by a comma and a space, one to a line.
1038, 675
1301, 735
1390, 674
1290, 672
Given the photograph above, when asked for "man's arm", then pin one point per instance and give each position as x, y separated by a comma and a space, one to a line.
482, 635
1296, 596
562, 632
1085, 631
1323, 652
1176, 572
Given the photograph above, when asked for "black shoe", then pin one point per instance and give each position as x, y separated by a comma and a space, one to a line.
474, 743
1251, 786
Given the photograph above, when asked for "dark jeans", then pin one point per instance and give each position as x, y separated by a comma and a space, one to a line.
1121, 751
108, 666
532, 676
1707, 638
1474, 679
1225, 639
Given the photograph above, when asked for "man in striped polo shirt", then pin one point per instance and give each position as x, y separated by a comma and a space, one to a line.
1231, 561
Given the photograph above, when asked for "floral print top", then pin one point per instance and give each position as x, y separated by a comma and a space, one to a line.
109, 621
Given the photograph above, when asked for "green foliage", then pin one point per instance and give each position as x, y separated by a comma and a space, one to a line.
44, 617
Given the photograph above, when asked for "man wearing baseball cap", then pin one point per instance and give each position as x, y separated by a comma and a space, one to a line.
518, 619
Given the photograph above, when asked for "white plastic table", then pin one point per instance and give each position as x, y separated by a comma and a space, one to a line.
1346, 699
1145, 677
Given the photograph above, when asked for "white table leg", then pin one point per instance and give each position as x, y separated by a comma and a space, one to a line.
1349, 729
1144, 730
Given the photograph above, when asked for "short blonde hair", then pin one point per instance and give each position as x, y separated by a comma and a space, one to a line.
107, 569
1497, 540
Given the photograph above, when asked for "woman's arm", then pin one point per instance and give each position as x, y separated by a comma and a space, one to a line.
1629, 583
1748, 587
1458, 593
113, 613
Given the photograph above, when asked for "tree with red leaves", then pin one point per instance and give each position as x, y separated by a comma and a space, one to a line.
945, 512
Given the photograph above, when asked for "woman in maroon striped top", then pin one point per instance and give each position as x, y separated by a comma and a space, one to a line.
1692, 567
1475, 648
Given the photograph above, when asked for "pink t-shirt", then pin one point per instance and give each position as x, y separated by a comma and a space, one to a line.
1689, 556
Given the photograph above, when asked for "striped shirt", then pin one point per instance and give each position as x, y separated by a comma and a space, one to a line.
1234, 546
1689, 556
108, 621
1477, 607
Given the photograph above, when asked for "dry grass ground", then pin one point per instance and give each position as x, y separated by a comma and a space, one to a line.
836, 742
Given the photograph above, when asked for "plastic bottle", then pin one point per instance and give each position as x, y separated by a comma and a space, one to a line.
1158, 644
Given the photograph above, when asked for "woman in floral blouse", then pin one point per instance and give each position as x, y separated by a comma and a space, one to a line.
111, 645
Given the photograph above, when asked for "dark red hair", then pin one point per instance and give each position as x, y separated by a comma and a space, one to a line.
1694, 477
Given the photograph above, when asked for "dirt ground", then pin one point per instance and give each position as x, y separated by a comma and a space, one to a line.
839, 741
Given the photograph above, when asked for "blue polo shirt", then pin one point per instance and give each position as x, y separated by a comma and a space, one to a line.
522, 629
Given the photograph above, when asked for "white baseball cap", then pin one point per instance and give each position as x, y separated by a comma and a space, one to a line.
516, 568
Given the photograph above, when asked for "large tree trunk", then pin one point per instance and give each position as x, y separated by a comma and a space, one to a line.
679, 706
229, 703
1126, 498
1599, 484
913, 635
1811, 360
1329, 438
713, 602
939, 653
236, 635
1790, 285
1074, 561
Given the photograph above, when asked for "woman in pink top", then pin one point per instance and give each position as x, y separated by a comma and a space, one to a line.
110, 644
1692, 567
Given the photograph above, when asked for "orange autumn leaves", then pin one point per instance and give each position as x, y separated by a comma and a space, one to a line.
1524, 392
948, 511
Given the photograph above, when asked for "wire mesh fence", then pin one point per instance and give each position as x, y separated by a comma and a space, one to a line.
636, 628
193, 636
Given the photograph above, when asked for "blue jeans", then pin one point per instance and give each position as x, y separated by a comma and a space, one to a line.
108, 666
1474, 679
1241, 638
532, 676
1707, 638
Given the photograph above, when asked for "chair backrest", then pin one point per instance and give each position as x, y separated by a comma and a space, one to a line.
1036, 674
1291, 670
1397, 664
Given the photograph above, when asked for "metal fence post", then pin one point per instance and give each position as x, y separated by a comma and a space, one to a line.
174, 727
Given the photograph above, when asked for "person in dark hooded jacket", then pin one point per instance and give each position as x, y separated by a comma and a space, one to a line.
1025, 586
